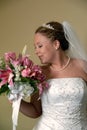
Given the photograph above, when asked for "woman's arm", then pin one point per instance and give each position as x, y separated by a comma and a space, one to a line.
33, 108
84, 68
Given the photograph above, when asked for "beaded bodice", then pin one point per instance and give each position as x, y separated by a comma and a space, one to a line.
64, 105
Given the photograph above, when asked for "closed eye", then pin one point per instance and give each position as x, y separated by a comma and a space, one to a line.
39, 46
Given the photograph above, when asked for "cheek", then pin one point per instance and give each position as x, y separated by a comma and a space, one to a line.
48, 55
48, 49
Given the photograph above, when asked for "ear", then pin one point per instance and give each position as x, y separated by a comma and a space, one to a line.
56, 44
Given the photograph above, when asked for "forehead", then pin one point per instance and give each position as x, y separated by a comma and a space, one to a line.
38, 38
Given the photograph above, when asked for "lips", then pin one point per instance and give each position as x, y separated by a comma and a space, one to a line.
40, 57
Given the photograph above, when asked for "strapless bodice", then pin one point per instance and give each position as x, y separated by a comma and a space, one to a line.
64, 105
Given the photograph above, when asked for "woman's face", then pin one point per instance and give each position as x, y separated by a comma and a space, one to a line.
44, 48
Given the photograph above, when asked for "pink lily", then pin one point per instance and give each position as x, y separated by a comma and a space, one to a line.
42, 86
6, 77
27, 62
11, 56
26, 72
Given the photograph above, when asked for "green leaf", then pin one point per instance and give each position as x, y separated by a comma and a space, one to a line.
4, 89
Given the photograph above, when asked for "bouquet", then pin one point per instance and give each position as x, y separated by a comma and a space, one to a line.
19, 78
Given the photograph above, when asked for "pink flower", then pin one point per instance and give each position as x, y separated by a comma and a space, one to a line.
27, 62
6, 77
17, 61
26, 72
42, 86
38, 73
10, 56
13, 69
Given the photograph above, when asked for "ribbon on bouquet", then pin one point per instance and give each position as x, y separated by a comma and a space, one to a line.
17, 92
15, 106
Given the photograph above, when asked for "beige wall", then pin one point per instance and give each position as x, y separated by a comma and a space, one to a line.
18, 21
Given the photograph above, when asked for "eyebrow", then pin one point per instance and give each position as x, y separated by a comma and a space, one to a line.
41, 42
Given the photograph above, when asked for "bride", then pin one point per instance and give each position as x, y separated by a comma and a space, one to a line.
63, 105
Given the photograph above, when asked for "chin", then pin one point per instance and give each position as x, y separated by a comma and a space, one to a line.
44, 62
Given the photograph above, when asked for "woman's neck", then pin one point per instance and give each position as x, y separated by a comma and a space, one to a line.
60, 63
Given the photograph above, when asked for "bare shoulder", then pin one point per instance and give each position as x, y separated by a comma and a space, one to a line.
78, 61
81, 66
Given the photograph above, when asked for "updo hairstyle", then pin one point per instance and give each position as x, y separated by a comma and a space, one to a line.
54, 31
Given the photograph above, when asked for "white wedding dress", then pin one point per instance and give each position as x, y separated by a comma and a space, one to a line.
64, 105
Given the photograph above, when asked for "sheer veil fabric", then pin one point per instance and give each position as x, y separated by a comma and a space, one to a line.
76, 50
